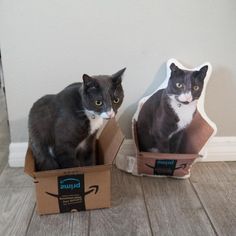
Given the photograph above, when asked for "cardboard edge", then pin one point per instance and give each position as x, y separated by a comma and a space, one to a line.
29, 167
114, 160
168, 156
110, 142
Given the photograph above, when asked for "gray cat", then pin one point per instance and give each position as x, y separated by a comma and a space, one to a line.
165, 115
63, 127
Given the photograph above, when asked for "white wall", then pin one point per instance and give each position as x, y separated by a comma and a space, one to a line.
47, 44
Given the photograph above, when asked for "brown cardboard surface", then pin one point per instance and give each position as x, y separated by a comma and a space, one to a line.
167, 156
46, 203
102, 198
29, 163
96, 180
147, 162
109, 142
197, 134
71, 171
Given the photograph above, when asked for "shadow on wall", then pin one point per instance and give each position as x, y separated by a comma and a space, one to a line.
222, 80
19, 130
125, 119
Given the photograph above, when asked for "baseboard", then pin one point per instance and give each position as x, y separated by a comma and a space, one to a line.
221, 149
17, 153
218, 149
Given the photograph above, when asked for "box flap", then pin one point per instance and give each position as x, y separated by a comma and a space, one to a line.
29, 163
197, 134
109, 141
72, 171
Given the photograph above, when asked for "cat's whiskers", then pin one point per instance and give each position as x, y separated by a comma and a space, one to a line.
91, 114
80, 111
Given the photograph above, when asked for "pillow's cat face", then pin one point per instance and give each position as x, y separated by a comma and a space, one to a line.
186, 86
103, 94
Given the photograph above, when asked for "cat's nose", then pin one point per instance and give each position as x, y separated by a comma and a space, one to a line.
188, 97
110, 113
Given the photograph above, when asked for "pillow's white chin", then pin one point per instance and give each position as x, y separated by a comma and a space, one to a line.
185, 97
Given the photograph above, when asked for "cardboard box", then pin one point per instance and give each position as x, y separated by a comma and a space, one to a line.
79, 188
170, 164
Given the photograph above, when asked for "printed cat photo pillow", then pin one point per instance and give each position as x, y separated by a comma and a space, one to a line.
170, 126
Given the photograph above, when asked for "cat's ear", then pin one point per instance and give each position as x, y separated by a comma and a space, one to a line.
174, 68
117, 77
202, 72
89, 81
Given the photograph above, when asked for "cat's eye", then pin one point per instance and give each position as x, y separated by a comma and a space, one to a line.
196, 88
179, 85
116, 100
98, 103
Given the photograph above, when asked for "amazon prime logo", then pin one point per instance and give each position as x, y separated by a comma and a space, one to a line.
70, 184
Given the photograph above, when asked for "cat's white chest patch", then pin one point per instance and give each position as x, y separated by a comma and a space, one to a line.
95, 122
184, 112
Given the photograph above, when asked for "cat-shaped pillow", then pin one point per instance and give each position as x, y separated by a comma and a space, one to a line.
197, 131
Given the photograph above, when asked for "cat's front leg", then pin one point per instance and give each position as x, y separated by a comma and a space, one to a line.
86, 151
66, 156
163, 145
176, 142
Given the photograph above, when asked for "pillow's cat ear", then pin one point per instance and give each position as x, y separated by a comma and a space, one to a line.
174, 68
117, 77
89, 81
202, 72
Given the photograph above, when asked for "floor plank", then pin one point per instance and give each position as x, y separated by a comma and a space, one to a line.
15, 177
127, 216
59, 224
174, 209
80, 223
232, 167
16, 207
215, 184
3, 159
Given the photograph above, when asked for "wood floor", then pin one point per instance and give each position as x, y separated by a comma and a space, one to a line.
203, 205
